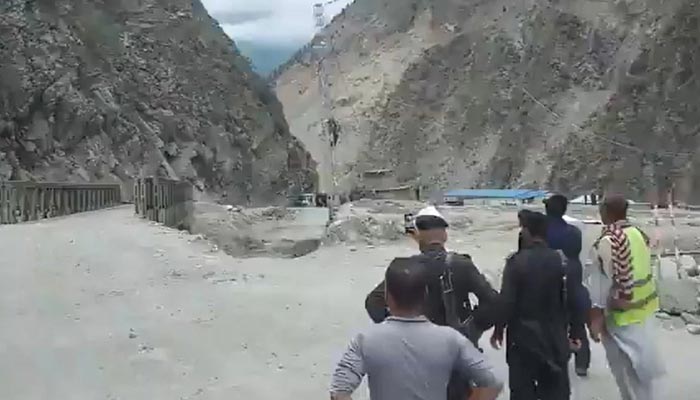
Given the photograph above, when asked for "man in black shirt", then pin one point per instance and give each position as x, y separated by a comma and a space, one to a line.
543, 321
431, 235
568, 238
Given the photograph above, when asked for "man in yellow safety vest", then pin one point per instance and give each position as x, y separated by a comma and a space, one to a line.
624, 300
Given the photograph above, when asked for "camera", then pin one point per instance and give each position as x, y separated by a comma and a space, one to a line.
409, 225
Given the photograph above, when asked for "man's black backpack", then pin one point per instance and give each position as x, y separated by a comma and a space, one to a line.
466, 327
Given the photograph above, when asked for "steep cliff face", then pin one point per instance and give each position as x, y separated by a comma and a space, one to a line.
568, 95
108, 90
372, 44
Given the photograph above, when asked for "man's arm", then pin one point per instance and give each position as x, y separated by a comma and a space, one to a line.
508, 296
600, 283
349, 372
472, 365
576, 242
375, 304
473, 281
577, 301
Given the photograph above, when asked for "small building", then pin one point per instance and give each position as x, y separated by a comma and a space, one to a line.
379, 179
405, 192
383, 184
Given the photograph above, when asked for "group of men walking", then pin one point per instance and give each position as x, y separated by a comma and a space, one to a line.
425, 343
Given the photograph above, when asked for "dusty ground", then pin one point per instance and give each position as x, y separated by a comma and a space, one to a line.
105, 306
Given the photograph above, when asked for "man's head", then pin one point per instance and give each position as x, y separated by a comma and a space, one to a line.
522, 216
534, 227
556, 205
613, 209
431, 228
406, 283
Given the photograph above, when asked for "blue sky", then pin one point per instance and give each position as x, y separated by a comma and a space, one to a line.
269, 21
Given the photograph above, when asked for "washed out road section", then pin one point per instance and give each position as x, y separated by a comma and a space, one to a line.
106, 306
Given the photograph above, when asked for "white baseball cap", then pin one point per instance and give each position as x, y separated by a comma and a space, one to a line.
430, 218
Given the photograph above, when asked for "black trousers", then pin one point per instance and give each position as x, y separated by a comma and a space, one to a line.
534, 380
582, 358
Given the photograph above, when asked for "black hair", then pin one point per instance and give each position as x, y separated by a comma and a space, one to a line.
536, 224
406, 281
428, 222
522, 215
556, 205
616, 206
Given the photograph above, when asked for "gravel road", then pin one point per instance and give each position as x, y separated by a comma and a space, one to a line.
105, 306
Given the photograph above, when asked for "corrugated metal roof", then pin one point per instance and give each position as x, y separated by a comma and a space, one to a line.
377, 172
496, 193
392, 189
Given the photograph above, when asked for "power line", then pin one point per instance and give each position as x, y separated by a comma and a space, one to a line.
599, 136
320, 12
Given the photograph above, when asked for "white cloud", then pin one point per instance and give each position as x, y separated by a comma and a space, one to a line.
276, 21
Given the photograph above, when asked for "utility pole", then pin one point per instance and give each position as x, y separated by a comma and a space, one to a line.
329, 126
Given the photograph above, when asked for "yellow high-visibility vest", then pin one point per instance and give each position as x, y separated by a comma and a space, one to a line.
645, 299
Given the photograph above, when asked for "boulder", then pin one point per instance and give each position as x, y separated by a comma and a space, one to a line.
663, 316
690, 318
673, 324
678, 296
668, 269
689, 265
693, 329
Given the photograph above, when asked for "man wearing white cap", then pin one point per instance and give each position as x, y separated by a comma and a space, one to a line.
451, 278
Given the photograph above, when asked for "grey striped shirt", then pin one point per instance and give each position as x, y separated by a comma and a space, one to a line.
410, 359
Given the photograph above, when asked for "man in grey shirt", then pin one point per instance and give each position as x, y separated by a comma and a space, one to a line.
407, 357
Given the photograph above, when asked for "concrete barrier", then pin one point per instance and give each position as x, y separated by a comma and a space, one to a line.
22, 201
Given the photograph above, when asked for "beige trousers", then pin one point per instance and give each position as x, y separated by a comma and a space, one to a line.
631, 387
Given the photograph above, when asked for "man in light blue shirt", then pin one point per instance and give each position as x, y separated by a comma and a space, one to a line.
407, 356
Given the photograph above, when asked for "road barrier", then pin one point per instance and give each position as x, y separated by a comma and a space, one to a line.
22, 201
163, 200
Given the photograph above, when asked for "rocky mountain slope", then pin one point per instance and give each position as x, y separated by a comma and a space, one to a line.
571, 95
107, 90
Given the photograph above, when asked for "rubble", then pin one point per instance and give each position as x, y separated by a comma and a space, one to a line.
254, 232
364, 229
677, 296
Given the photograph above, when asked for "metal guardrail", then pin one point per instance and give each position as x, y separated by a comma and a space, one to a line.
163, 200
22, 201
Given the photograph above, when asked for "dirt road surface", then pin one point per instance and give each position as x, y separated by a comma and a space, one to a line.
105, 306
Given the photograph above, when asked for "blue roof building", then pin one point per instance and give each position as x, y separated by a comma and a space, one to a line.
503, 194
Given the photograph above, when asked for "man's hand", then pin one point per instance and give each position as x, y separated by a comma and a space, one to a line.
484, 393
597, 324
574, 344
496, 341
596, 332
619, 304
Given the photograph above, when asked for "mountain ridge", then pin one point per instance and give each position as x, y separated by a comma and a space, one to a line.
111, 90
512, 94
